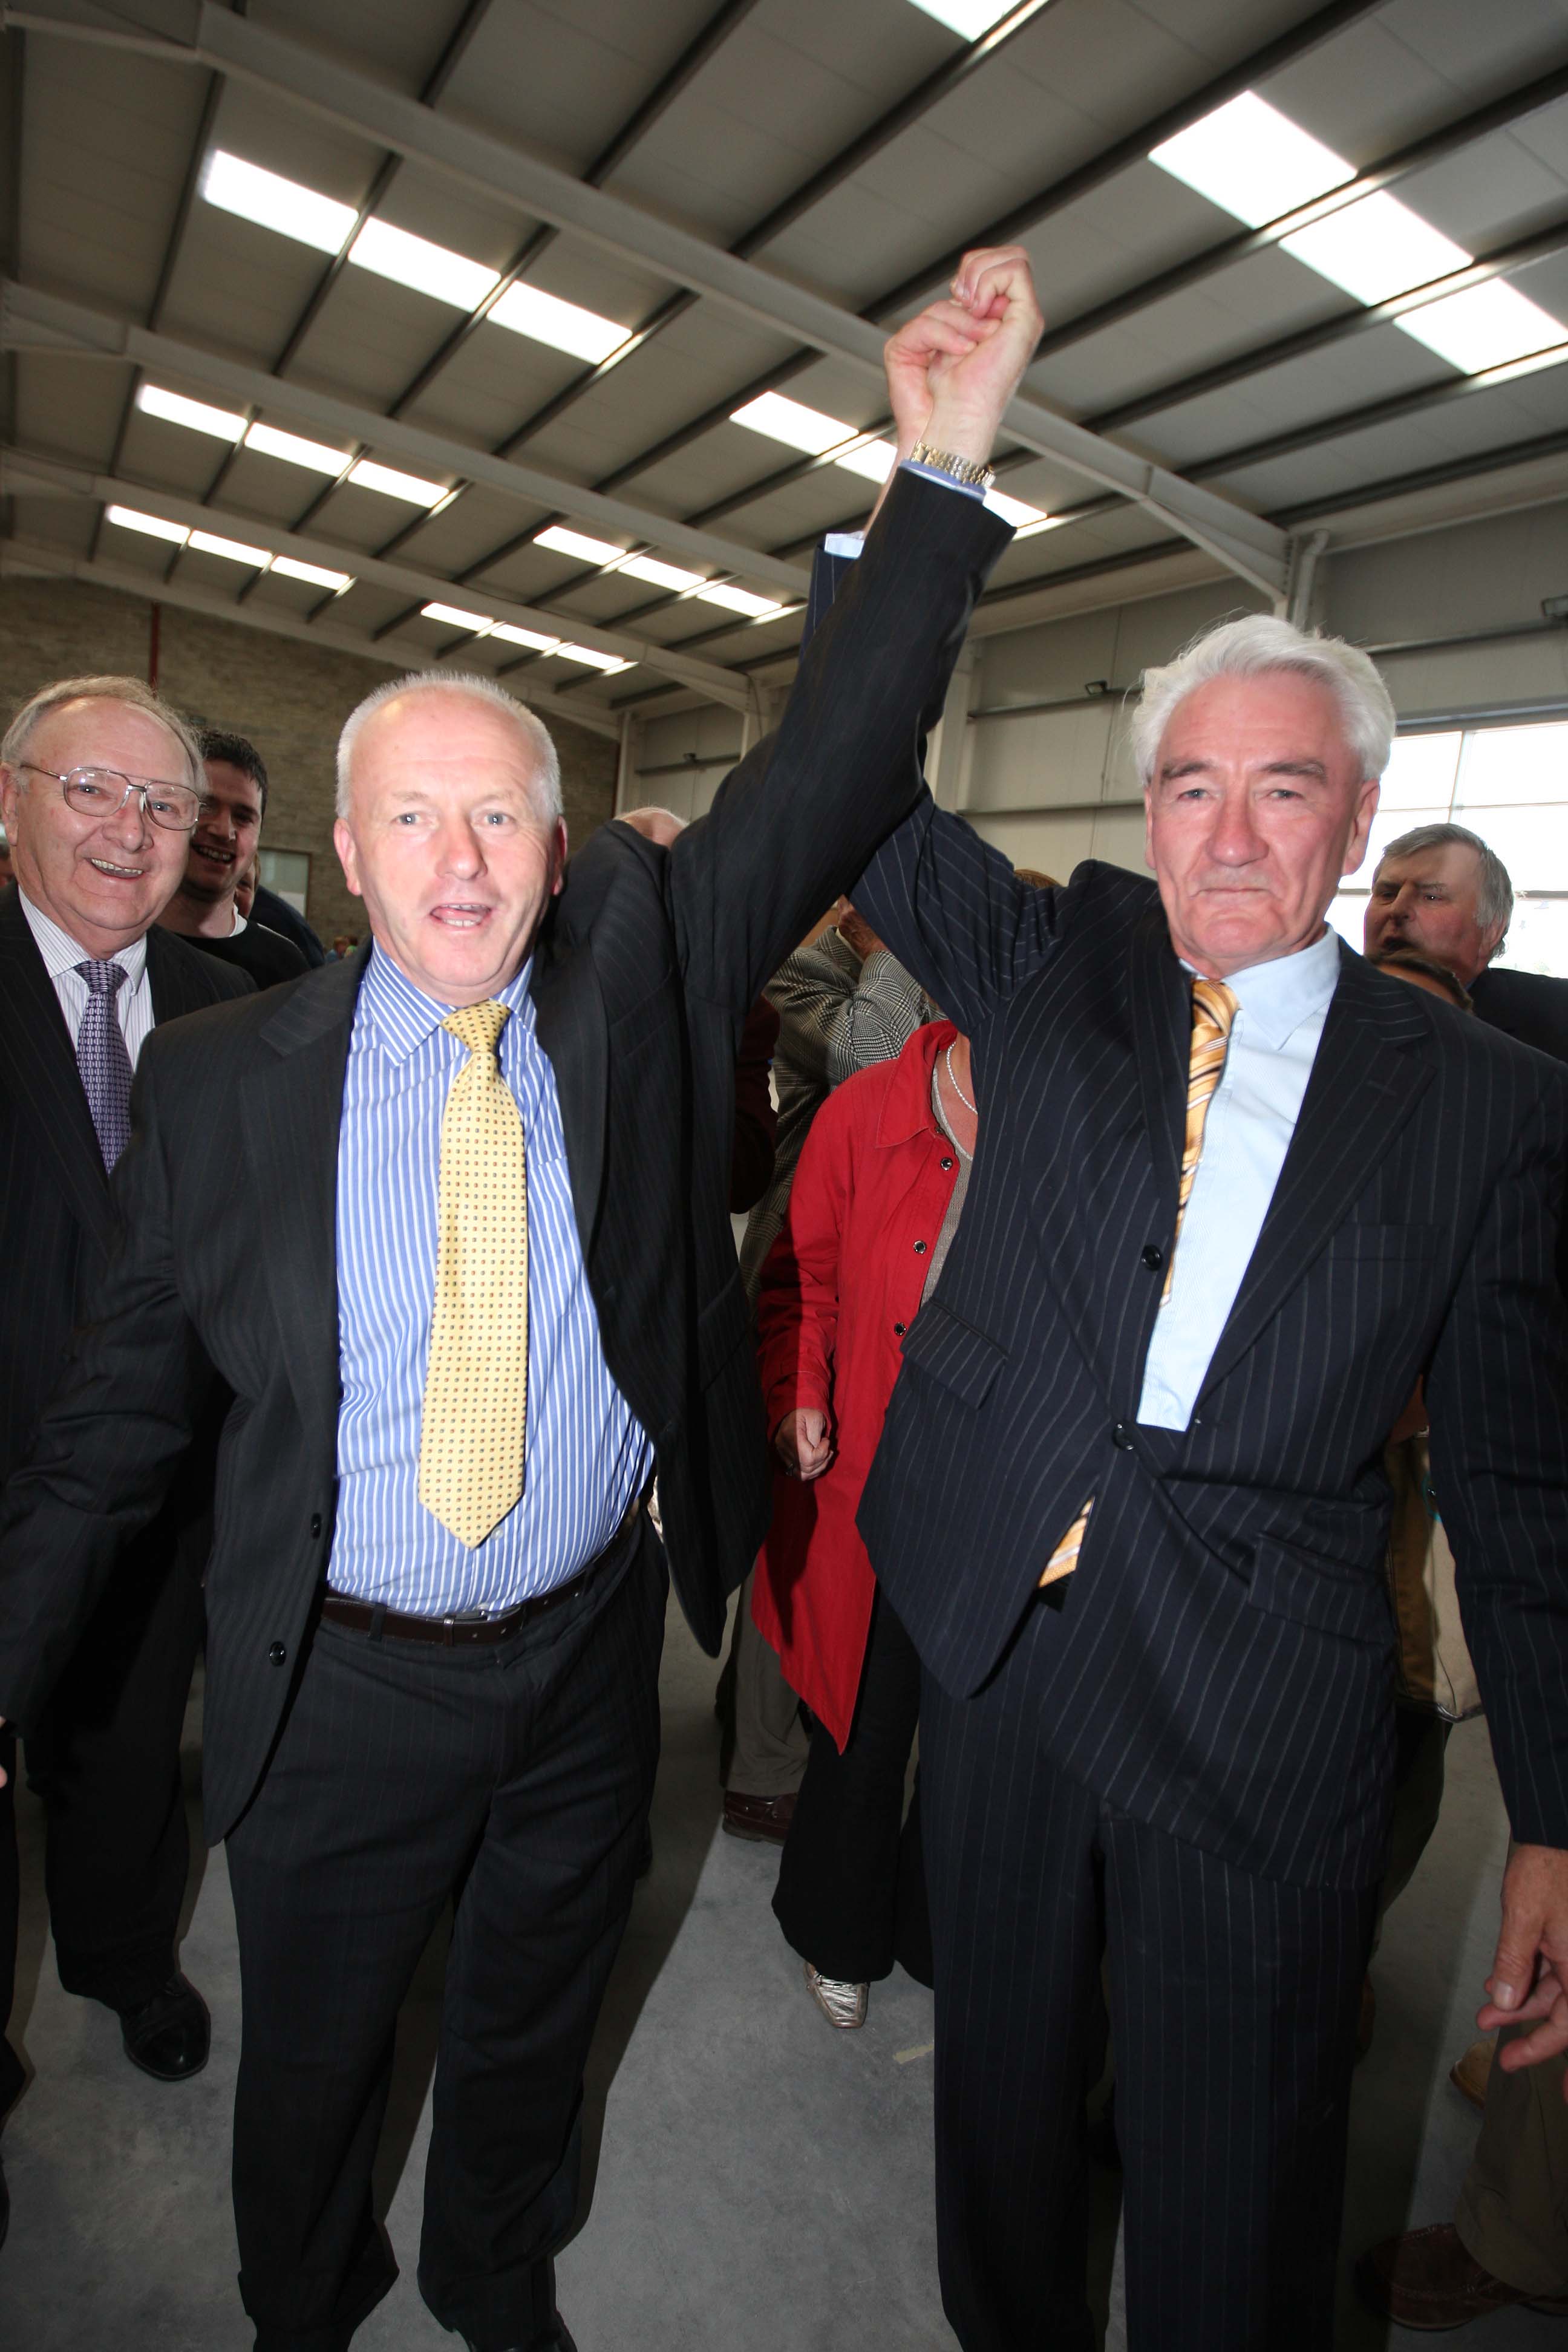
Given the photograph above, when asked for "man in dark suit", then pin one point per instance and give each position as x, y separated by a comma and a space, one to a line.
451, 1220
98, 782
1440, 888
1234, 1193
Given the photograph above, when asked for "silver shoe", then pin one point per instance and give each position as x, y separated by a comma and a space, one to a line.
843, 2005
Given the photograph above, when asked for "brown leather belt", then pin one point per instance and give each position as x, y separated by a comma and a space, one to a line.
465, 1633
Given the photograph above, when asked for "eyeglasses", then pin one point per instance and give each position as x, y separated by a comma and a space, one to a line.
103, 793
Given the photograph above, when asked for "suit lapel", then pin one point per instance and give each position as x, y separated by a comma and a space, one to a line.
39, 1064
175, 986
292, 1110
1162, 1025
572, 1029
1367, 1078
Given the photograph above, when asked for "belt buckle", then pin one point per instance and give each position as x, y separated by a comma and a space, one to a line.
457, 1617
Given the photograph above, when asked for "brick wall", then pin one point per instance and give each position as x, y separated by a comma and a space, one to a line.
290, 698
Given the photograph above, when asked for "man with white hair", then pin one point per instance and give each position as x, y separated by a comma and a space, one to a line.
451, 1218
1442, 890
1236, 1192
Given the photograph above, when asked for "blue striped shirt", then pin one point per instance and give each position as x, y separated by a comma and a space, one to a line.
587, 1456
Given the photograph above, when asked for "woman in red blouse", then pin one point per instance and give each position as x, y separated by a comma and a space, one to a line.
876, 1200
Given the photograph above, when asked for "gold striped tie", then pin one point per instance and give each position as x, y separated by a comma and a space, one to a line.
1214, 1010
475, 1420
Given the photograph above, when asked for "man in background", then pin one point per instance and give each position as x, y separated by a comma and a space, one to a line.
99, 785
1441, 890
225, 843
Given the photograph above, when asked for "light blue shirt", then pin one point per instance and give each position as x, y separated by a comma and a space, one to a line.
587, 1455
1251, 1118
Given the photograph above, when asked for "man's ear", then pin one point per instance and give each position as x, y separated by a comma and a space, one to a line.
1367, 797
348, 856
558, 856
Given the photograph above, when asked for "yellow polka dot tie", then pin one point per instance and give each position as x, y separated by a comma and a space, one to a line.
475, 1386
1215, 1008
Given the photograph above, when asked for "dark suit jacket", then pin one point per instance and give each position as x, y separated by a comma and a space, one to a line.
642, 975
1526, 1006
1220, 1663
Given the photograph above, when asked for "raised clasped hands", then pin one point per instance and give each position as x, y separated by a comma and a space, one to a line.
952, 370
1529, 1980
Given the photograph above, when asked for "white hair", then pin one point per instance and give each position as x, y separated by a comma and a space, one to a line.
1253, 647
474, 688
130, 692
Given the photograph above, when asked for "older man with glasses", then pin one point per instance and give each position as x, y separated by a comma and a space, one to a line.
99, 788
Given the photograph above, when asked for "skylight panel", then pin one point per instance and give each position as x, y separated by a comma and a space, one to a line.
455, 616
528, 637
429, 269
740, 599
315, 575
592, 658
235, 186
576, 542
1485, 327
873, 460
790, 421
233, 550
372, 476
130, 518
1376, 248
970, 17
657, 575
562, 325
1252, 161
223, 424
295, 450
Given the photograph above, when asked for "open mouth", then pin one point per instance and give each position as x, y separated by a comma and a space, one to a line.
213, 856
116, 873
455, 915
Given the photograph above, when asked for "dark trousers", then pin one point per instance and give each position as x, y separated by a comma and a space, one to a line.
851, 1894
512, 1781
1233, 2003
105, 1758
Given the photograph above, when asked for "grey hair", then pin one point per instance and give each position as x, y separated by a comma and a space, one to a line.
131, 691
1494, 891
1253, 646
475, 687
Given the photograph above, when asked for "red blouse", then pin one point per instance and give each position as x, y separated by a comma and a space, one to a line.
839, 1288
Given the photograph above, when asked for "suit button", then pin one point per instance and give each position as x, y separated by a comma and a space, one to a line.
947, 1163
1122, 1436
899, 1330
315, 1523
277, 1655
919, 1249
1153, 1257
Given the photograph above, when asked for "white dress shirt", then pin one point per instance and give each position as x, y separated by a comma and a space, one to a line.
61, 955
1251, 1119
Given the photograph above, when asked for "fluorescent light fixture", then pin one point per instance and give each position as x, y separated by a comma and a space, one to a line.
1485, 327
970, 17
455, 617
789, 421
740, 600
315, 575
528, 637
233, 550
657, 575
295, 450
175, 409
154, 526
1376, 248
1252, 161
1013, 511
608, 663
874, 459
386, 479
429, 269
235, 186
565, 328
578, 543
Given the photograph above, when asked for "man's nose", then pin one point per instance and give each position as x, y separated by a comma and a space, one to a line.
130, 826
1233, 838
457, 850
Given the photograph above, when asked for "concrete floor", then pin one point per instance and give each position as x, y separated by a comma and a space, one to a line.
761, 2182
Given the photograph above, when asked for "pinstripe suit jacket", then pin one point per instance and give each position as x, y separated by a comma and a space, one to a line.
643, 972
1220, 1663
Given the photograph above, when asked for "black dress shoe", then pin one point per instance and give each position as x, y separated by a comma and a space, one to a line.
168, 2036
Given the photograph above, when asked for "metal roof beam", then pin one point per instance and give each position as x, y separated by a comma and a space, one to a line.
26, 476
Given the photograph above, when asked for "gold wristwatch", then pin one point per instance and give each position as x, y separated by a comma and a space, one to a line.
974, 476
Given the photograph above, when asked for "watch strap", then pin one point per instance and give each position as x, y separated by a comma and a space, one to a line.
961, 469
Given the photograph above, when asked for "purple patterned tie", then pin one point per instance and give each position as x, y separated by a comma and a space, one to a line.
104, 1061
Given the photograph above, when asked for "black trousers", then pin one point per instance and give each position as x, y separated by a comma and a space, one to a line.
105, 1758
851, 1894
513, 1782
1233, 2003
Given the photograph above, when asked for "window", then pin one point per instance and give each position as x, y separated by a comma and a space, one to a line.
1510, 785
287, 871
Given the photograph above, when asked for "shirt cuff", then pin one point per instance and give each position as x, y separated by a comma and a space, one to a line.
935, 474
